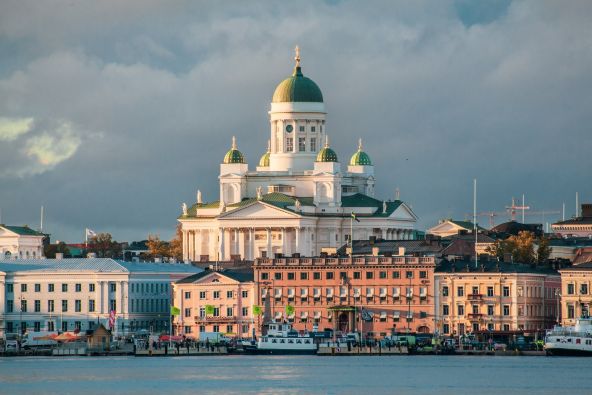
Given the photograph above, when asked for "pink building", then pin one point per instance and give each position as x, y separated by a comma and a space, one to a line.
215, 301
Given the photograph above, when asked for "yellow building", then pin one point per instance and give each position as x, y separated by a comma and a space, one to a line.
494, 297
575, 292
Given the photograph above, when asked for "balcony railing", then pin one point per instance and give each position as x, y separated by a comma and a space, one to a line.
475, 296
199, 319
475, 316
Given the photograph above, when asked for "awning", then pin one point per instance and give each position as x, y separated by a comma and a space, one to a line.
343, 292
329, 292
396, 314
304, 292
264, 292
317, 292
396, 292
409, 292
317, 315
342, 308
383, 292
291, 292
357, 292
410, 314
278, 292
304, 315
369, 292
278, 314
383, 314
423, 291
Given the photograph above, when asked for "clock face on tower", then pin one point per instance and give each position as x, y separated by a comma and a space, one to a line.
289, 128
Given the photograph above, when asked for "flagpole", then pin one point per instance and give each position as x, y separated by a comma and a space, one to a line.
170, 330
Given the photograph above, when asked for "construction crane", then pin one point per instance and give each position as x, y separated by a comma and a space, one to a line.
512, 209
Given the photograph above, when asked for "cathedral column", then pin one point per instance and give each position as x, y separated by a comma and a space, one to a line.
125, 306
228, 245
269, 249
297, 244
284, 242
185, 252
241, 234
198, 244
221, 246
251, 243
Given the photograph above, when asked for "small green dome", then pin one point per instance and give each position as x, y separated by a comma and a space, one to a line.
360, 158
327, 155
297, 88
234, 155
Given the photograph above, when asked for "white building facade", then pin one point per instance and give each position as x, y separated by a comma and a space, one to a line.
20, 242
70, 294
298, 200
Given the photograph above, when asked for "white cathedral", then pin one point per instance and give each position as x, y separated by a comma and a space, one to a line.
298, 201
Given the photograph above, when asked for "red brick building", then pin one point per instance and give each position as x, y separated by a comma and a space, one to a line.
389, 293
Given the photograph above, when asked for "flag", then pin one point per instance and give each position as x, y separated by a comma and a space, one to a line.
175, 310
257, 310
209, 309
88, 233
353, 215
289, 310
112, 319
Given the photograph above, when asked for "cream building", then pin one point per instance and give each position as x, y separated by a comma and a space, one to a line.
298, 200
20, 242
450, 227
230, 295
576, 297
68, 294
495, 296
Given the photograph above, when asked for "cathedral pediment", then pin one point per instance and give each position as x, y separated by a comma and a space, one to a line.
259, 210
404, 213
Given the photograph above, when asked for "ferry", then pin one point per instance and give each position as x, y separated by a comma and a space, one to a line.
570, 340
281, 339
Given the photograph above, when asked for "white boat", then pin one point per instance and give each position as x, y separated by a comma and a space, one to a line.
281, 339
570, 340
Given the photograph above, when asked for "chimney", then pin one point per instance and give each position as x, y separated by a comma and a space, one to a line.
375, 251
59, 255
401, 251
91, 255
586, 210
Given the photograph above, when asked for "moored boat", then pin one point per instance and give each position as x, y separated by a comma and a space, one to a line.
281, 339
570, 340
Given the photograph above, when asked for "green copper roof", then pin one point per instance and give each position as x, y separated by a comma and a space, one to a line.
360, 158
297, 88
22, 230
327, 155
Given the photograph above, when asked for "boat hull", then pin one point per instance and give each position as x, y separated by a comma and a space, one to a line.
258, 351
568, 352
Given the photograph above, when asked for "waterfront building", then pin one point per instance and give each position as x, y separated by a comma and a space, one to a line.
20, 242
376, 295
450, 227
580, 226
576, 297
215, 301
513, 228
494, 297
569, 248
69, 294
298, 201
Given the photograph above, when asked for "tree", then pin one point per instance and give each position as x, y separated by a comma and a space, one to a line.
50, 250
156, 247
543, 251
522, 248
176, 244
103, 245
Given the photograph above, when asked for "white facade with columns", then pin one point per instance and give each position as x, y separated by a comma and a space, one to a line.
298, 200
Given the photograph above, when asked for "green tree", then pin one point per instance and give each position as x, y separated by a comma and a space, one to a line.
176, 244
543, 250
104, 246
50, 250
522, 248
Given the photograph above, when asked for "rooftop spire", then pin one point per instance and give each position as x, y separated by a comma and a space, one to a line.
297, 57
234, 142
268, 145
326, 141
360, 147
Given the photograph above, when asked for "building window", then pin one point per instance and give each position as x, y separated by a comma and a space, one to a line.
78, 287
216, 313
446, 328
37, 306
37, 287
460, 291
475, 290
187, 312
78, 305
216, 294
313, 144
409, 274
506, 327
369, 275
277, 275
475, 309
9, 288
304, 276
445, 310
9, 306
423, 274
202, 328
50, 287
506, 291
24, 306
91, 287
357, 275
229, 312
570, 289
187, 295
302, 144
584, 289
460, 309
264, 276
245, 328
91, 305
50, 306
113, 305
382, 275
202, 294
316, 275
113, 287
37, 326
301, 128
490, 310
23, 287
229, 328
245, 311
571, 311
291, 276
245, 294
313, 129
64, 306
289, 144
489, 291
64, 287
506, 310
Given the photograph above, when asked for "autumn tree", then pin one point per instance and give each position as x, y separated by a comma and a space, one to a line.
156, 247
104, 246
50, 250
522, 248
176, 244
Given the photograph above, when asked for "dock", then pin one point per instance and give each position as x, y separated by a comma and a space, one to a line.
344, 350
182, 351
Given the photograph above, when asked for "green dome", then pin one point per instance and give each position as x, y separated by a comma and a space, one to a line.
360, 158
297, 88
234, 155
327, 155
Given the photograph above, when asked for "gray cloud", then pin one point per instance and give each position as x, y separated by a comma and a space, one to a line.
441, 93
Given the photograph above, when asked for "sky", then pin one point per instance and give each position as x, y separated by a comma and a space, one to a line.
114, 113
